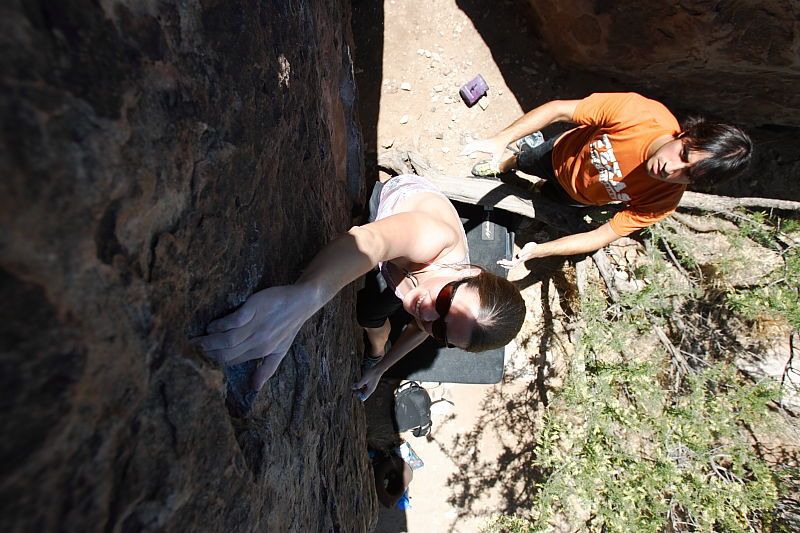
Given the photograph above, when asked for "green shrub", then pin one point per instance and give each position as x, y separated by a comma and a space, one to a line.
624, 452
618, 449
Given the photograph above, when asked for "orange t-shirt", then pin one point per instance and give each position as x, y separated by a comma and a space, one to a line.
602, 160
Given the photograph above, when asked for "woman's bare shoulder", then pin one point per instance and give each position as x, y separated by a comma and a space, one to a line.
449, 226
433, 203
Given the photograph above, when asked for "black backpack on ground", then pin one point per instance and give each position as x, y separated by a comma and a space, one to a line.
412, 409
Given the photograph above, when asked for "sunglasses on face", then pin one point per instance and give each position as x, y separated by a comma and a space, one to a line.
443, 302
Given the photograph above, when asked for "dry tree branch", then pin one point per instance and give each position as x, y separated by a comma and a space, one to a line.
606, 270
393, 163
675, 261
677, 357
788, 368
784, 240
574, 328
603, 264
712, 202
581, 276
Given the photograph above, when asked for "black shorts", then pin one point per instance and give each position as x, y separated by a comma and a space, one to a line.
538, 161
376, 301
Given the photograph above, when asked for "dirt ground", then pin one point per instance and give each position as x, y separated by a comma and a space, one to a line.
409, 73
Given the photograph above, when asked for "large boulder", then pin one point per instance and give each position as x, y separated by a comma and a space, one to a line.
733, 59
161, 161
729, 60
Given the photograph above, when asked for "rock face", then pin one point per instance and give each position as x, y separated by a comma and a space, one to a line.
160, 162
734, 59
738, 61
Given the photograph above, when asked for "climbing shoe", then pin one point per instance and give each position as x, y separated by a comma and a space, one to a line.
487, 169
370, 361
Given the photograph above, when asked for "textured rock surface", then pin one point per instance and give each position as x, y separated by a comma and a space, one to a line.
738, 61
159, 163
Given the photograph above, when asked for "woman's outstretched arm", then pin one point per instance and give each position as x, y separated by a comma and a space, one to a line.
267, 323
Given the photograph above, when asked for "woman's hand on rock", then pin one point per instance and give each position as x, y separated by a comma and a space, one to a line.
263, 327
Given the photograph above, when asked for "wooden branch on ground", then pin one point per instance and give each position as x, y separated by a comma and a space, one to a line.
606, 270
782, 241
575, 328
394, 162
712, 202
706, 226
788, 368
715, 224
677, 263
674, 352
581, 276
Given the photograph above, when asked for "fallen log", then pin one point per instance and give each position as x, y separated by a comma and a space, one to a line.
712, 202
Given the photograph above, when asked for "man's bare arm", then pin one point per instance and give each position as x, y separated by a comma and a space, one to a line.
579, 243
538, 118
534, 120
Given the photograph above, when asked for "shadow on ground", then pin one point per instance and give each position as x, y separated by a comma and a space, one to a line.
515, 417
368, 27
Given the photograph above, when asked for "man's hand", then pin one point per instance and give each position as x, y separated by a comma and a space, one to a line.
264, 326
519, 258
492, 145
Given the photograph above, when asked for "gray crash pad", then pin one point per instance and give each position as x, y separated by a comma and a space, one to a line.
490, 238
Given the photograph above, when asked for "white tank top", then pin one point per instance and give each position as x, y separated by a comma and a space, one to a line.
394, 192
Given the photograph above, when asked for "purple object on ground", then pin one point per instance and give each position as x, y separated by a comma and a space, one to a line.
472, 91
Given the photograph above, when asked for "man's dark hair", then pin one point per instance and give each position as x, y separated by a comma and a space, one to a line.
729, 149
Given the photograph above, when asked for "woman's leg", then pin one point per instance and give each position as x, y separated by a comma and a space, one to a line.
375, 303
378, 337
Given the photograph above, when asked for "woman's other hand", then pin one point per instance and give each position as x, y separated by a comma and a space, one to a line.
368, 382
263, 327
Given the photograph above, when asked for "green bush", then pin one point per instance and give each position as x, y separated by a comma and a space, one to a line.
622, 451
631, 444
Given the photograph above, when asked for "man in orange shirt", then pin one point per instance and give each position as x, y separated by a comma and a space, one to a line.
626, 149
